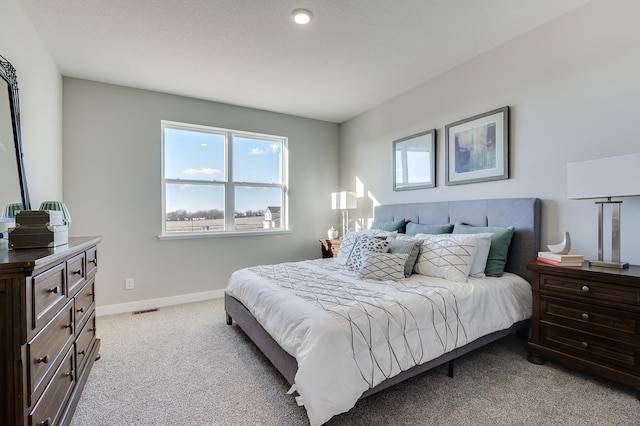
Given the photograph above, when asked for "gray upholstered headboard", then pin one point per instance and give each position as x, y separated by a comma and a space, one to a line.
521, 213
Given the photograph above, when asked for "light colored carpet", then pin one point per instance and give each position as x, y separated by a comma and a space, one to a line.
182, 365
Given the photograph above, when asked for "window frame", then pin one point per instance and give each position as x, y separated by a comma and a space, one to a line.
228, 184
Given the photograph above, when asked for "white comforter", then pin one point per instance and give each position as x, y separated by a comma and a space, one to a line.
348, 335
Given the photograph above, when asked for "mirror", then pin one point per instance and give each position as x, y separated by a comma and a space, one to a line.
13, 184
414, 161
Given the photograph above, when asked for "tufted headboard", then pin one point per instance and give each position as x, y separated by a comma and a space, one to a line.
521, 213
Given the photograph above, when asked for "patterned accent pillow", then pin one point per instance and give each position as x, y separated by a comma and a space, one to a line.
349, 241
447, 256
410, 247
364, 245
383, 266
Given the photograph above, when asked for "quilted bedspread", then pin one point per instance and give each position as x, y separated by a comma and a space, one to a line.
349, 334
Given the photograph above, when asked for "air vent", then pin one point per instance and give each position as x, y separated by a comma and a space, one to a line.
144, 311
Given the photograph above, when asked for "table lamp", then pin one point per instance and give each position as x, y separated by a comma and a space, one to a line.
606, 178
344, 201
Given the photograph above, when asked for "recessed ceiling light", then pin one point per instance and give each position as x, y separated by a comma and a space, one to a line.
302, 16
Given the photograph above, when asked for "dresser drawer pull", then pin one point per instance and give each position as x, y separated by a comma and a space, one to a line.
82, 352
78, 272
67, 325
585, 316
94, 261
81, 310
585, 345
46, 422
585, 289
44, 359
69, 374
55, 290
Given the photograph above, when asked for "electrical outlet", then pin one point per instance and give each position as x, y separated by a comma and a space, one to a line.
128, 284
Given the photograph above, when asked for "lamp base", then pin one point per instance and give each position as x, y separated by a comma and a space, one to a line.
603, 264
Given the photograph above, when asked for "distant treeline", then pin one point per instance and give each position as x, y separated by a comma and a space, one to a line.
179, 215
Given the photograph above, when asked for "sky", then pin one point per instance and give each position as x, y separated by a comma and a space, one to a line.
199, 156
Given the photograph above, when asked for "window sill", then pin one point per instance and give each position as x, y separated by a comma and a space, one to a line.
198, 235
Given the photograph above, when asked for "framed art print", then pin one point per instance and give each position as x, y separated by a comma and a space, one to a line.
477, 148
414, 161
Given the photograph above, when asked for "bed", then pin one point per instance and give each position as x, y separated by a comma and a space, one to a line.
337, 334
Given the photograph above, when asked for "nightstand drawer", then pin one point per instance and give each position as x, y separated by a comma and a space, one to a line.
589, 290
591, 347
608, 322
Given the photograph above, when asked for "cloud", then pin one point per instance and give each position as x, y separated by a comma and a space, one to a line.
273, 148
207, 171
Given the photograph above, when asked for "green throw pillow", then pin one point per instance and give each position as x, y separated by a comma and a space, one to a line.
419, 228
411, 248
500, 242
397, 226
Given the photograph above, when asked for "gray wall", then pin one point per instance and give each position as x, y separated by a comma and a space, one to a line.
112, 181
40, 94
574, 94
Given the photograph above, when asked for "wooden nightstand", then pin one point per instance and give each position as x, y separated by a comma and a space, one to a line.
329, 247
587, 318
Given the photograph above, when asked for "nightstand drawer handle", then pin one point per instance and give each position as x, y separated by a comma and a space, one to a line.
585, 316
585, 345
585, 289
53, 290
44, 359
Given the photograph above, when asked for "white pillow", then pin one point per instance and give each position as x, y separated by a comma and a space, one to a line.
365, 245
447, 256
480, 259
383, 266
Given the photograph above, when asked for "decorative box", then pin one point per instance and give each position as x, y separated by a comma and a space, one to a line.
38, 236
39, 218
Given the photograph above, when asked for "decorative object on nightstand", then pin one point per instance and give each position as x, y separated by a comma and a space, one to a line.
332, 233
610, 177
587, 318
330, 247
344, 201
562, 247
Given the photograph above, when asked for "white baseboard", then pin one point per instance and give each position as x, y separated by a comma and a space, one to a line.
141, 305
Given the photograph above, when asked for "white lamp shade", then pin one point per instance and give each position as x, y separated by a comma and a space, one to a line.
605, 177
343, 200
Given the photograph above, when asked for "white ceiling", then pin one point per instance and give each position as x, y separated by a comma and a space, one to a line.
354, 55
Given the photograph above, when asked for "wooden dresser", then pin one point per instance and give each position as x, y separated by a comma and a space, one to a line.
588, 318
47, 330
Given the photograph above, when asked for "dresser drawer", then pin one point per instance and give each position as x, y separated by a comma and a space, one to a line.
589, 290
608, 322
51, 406
92, 261
592, 347
46, 348
48, 292
85, 341
84, 303
75, 273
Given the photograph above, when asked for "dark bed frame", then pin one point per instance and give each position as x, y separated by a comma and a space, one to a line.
522, 213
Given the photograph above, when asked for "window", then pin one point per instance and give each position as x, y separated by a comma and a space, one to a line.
217, 181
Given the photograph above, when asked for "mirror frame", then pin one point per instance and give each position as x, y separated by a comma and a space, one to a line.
425, 142
8, 74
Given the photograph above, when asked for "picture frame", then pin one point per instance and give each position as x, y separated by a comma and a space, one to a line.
414, 161
477, 148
